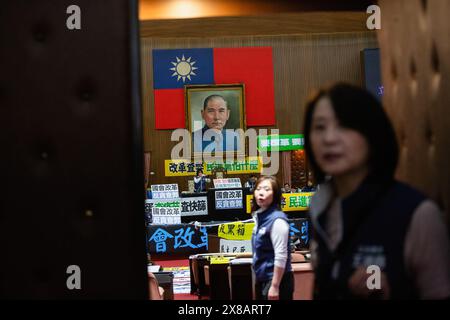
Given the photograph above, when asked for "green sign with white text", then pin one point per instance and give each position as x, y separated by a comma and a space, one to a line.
281, 142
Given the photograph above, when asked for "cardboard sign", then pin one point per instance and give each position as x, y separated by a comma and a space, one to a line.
227, 183
164, 211
164, 191
236, 231
228, 199
195, 206
235, 246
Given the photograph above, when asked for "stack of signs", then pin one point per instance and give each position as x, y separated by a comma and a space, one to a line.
164, 191
165, 206
227, 183
194, 206
181, 279
163, 211
228, 199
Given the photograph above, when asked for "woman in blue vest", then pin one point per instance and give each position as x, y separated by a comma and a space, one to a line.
373, 237
270, 243
200, 181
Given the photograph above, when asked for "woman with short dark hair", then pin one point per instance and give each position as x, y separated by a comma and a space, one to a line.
200, 181
364, 220
270, 243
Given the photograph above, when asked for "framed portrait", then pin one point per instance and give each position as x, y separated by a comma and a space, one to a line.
213, 114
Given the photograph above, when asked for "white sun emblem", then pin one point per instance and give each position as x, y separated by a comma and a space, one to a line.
183, 68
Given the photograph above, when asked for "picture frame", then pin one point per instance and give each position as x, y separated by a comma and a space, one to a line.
199, 120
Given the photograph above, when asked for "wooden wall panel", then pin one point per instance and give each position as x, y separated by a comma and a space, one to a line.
415, 56
301, 63
269, 24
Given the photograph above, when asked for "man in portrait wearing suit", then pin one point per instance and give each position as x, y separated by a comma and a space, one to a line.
213, 136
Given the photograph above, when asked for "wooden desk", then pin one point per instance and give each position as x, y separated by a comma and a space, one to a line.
303, 281
241, 283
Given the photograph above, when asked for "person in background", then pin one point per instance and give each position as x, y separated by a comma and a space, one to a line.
286, 189
309, 187
251, 182
213, 136
361, 216
200, 181
270, 243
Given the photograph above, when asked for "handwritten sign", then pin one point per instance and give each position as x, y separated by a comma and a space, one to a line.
227, 183
164, 191
236, 231
235, 246
228, 199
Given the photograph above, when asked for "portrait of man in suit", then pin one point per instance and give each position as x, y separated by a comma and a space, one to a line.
214, 123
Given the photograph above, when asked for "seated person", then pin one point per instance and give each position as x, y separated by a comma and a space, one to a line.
251, 183
287, 188
309, 187
213, 136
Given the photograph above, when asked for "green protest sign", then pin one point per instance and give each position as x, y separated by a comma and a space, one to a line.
285, 142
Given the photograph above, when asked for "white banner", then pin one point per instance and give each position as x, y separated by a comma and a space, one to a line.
235, 246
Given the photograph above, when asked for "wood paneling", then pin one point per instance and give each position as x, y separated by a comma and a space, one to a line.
274, 24
415, 58
301, 63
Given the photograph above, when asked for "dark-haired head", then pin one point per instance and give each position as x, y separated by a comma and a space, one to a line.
213, 97
276, 192
199, 171
356, 109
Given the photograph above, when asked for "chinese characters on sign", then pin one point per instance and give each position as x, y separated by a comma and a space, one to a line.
289, 201
174, 168
235, 231
164, 191
195, 206
228, 199
177, 239
227, 183
281, 142
239, 231
296, 201
235, 246
163, 211
302, 234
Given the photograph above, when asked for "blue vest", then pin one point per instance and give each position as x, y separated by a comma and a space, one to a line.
263, 252
200, 186
375, 220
